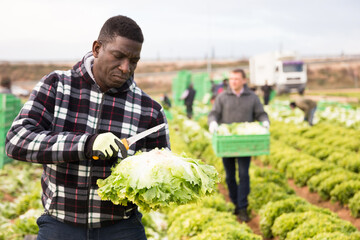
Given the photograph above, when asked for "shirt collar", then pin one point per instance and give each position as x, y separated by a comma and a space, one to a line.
238, 94
88, 64
89, 61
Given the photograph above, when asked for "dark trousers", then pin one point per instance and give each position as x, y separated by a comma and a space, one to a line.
311, 116
189, 110
266, 99
52, 229
238, 192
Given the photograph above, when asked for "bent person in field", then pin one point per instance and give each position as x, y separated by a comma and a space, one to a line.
308, 106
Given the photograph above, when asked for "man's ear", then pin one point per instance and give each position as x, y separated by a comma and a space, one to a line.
96, 48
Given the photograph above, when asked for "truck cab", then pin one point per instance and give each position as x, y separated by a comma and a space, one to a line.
282, 70
290, 76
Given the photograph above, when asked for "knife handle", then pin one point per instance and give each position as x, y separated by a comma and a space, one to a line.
123, 141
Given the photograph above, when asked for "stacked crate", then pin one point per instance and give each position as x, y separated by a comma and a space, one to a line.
179, 85
202, 85
241, 145
241, 139
9, 108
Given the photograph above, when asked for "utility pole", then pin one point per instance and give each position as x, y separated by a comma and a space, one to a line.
355, 75
209, 55
209, 63
209, 60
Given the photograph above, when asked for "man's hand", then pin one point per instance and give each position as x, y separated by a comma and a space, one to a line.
213, 127
106, 145
266, 124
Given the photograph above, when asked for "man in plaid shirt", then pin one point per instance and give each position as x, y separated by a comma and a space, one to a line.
76, 114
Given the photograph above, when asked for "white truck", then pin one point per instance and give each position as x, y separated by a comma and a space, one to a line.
282, 70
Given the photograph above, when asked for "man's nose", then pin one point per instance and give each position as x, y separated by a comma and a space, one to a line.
124, 66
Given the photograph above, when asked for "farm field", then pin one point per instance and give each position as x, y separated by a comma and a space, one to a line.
308, 187
310, 176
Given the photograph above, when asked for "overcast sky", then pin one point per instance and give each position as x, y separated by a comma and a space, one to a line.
66, 29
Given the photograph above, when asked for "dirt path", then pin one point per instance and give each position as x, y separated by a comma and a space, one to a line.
254, 223
315, 199
312, 197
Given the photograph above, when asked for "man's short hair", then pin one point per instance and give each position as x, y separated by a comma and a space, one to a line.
239, 70
120, 26
292, 104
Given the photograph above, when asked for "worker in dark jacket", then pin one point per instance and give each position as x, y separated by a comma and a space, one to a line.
5, 84
237, 104
266, 89
188, 96
73, 124
165, 101
308, 106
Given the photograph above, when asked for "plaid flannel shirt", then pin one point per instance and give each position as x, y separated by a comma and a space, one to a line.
64, 110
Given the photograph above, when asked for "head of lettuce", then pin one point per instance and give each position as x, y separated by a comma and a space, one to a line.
158, 178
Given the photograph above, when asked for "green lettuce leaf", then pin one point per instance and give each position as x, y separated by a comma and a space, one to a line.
157, 178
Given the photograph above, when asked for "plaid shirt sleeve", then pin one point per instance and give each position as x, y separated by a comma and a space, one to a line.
64, 110
31, 138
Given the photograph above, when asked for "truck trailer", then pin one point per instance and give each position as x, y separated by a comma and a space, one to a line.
282, 70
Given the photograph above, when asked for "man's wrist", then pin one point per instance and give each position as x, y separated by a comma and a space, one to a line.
89, 144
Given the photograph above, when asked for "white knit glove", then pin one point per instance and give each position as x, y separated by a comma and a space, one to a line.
266, 124
213, 127
106, 145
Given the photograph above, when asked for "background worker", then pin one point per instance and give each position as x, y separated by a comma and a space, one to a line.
308, 106
266, 89
223, 86
5, 84
189, 96
237, 104
165, 101
76, 114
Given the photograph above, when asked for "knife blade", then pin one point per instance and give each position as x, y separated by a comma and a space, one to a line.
131, 140
127, 142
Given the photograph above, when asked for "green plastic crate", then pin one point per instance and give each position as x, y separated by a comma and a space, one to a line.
179, 85
3, 131
241, 145
7, 117
272, 95
9, 108
168, 115
4, 160
7, 101
3, 157
202, 85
